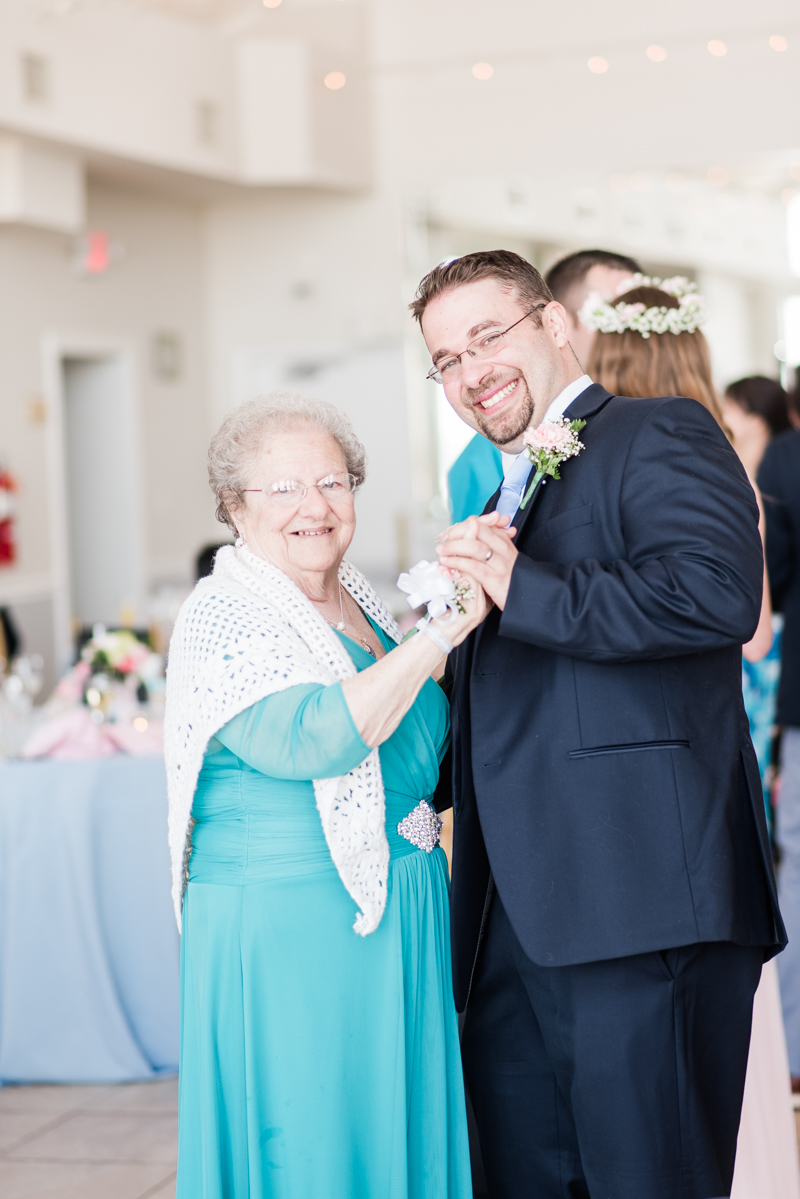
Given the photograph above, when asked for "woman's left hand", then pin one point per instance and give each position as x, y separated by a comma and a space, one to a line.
380, 696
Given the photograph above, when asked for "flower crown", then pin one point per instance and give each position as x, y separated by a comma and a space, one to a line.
598, 313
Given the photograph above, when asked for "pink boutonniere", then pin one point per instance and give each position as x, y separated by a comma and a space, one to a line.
550, 444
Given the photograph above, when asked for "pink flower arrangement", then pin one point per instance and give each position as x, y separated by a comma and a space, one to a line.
548, 445
118, 653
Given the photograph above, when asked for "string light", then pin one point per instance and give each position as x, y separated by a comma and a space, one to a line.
598, 65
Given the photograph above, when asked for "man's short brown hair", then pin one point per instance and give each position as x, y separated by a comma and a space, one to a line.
566, 276
513, 271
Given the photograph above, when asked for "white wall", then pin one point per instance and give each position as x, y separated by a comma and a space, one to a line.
156, 285
151, 69
304, 291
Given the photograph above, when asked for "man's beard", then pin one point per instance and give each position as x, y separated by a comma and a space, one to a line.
508, 426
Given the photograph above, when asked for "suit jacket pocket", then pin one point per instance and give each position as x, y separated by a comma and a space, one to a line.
597, 751
572, 518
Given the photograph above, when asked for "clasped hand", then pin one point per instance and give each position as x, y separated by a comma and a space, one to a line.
481, 547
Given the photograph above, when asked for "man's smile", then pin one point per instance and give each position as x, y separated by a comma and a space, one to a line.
496, 397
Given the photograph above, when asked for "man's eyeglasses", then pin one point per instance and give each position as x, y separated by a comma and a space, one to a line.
290, 493
482, 347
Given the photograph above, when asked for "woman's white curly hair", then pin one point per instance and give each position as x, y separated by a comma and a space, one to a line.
244, 432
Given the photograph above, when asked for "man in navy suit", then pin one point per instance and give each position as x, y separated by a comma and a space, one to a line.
613, 895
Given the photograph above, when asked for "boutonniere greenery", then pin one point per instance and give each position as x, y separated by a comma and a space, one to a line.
550, 444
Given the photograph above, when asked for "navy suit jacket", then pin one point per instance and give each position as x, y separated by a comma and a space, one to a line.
602, 769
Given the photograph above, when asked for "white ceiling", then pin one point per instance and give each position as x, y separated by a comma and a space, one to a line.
543, 110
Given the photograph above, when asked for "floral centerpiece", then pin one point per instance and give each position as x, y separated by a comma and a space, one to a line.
119, 654
117, 657
110, 701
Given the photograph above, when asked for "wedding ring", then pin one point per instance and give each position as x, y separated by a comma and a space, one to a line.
488, 555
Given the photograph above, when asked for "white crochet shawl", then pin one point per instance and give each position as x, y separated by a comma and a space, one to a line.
244, 633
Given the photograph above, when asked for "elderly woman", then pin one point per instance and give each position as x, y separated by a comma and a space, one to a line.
319, 1047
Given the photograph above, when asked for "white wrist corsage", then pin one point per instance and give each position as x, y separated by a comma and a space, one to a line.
426, 583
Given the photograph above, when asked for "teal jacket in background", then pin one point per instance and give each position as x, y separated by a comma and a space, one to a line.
474, 478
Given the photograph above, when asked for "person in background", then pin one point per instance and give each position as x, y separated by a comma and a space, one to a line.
755, 410
9, 640
588, 272
475, 475
669, 363
478, 471
779, 481
677, 362
204, 559
793, 398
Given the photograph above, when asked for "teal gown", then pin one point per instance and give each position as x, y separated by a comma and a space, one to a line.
315, 1063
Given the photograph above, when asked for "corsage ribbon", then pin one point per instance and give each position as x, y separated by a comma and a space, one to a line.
426, 584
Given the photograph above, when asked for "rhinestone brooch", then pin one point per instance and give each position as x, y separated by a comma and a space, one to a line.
421, 827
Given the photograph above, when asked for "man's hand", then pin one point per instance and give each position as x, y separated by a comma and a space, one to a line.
482, 547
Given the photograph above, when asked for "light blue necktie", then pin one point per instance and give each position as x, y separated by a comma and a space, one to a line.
513, 484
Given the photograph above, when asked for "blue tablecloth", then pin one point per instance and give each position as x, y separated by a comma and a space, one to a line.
89, 949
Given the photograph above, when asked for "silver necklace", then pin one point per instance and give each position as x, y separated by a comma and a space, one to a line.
340, 625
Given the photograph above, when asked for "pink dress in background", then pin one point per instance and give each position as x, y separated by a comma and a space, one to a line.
766, 1152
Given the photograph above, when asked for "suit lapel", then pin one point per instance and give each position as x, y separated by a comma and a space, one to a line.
491, 504
522, 514
585, 405
582, 407
588, 402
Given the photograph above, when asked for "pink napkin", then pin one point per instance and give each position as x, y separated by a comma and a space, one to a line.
140, 743
72, 735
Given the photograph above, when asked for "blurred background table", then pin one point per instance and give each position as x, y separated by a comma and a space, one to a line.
89, 949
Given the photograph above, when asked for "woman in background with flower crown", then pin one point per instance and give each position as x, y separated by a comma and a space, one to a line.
649, 343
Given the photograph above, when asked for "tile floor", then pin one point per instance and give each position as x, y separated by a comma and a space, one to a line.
98, 1142
93, 1142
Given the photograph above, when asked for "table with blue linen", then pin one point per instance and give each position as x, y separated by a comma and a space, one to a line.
89, 949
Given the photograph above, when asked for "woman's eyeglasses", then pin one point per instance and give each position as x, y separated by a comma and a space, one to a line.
290, 492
